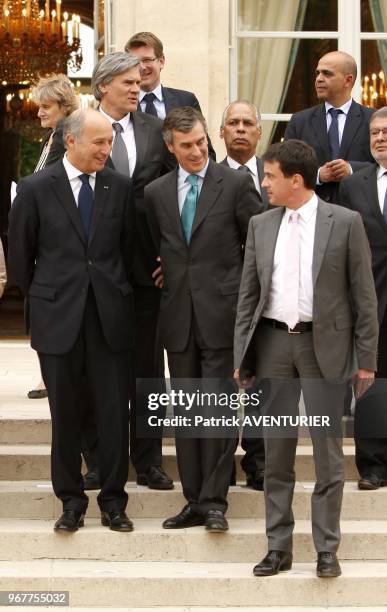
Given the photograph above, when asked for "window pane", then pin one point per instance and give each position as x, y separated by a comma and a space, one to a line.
374, 73
374, 15
287, 15
272, 131
278, 74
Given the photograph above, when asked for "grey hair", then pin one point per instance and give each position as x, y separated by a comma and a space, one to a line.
379, 114
74, 123
247, 103
109, 67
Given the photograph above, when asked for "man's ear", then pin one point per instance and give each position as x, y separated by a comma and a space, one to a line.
170, 147
162, 61
221, 133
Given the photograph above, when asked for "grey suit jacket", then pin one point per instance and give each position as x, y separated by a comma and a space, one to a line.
345, 325
202, 277
264, 198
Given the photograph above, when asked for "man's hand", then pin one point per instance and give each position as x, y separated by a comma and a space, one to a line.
158, 276
362, 381
246, 383
334, 170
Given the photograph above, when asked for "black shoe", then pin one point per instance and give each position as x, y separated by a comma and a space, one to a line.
186, 518
70, 521
274, 562
254, 480
371, 482
155, 478
327, 565
215, 521
37, 394
91, 481
116, 520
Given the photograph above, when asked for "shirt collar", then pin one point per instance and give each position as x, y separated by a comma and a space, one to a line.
381, 171
306, 211
344, 108
157, 91
251, 164
183, 173
124, 121
72, 171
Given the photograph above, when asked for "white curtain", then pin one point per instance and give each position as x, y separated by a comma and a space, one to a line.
379, 18
263, 63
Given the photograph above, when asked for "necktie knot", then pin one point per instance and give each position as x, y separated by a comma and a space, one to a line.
149, 97
192, 179
293, 217
117, 127
335, 112
243, 168
85, 179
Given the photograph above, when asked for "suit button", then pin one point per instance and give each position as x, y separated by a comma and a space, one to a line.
89, 263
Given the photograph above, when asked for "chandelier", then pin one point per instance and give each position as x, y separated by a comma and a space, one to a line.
36, 41
374, 90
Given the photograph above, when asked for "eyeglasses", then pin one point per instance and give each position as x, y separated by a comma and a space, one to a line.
376, 132
147, 60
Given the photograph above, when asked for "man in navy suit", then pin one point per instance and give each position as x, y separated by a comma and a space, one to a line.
154, 98
338, 128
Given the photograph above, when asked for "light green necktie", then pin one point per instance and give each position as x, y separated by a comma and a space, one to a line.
189, 206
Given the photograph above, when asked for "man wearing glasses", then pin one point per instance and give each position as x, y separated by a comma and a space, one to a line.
154, 98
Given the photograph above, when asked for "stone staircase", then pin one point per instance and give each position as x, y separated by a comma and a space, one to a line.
168, 570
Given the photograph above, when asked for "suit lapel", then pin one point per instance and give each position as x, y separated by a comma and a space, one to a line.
371, 196
353, 122
324, 222
62, 189
141, 137
211, 189
172, 203
169, 100
269, 244
319, 124
102, 186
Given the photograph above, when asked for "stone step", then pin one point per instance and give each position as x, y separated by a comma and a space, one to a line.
22, 540
147, 584
32, 462
36, 500
219, 609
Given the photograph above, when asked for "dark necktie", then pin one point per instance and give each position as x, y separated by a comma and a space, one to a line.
333, 133
85, 203
243, 169
150, 108
119, 151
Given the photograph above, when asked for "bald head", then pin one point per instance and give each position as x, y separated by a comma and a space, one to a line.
335, 77
88, 137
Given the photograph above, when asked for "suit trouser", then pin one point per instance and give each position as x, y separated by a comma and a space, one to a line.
289, 361
107, 376
204, 464
370, 415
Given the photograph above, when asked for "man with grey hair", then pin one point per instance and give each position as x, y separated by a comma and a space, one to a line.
139, 152
200, 214
70, 251
365, 192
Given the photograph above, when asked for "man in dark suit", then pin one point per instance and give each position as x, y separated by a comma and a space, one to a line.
154, 98
365, 192
241, 131
70, 251
139, 152
337, 129
201, 211
306, 320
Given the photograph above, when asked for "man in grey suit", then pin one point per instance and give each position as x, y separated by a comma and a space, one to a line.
201, 213
307, 310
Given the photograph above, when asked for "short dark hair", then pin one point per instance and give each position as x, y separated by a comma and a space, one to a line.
145, 38
295, 157
182, 119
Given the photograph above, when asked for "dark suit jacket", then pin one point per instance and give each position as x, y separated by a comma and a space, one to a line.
203, 277
153, 160
264, 198
359, 192
173, 98
345, 326
53, 263
310, 126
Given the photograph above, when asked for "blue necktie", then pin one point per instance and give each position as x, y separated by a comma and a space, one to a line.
189, 206
85, 203
333, 133
150, 108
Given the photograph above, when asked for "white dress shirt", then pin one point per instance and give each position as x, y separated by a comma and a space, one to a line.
127, 136
183, 185
158, 102
307, 223
73, 175
381, 182
252, 166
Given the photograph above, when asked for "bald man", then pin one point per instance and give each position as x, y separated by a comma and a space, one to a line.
70, 252
338, 128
